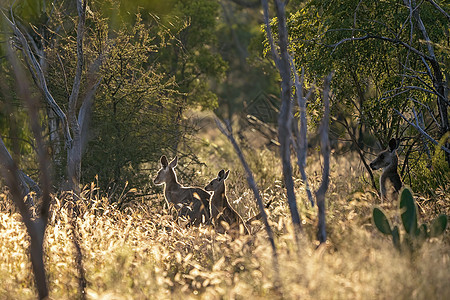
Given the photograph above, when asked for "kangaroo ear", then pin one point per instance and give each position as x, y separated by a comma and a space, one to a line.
393, 145
221, 174
164, 161
174, 162
226, 174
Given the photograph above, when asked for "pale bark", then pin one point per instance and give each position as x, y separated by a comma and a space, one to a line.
281, 58
325, 151
301, 143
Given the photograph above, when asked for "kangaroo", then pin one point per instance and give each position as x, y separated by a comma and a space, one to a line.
220, 208
388, 161
190, 202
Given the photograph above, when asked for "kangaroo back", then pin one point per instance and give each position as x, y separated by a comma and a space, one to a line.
190, 202
388, 161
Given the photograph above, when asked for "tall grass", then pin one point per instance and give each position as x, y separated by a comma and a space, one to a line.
140, 252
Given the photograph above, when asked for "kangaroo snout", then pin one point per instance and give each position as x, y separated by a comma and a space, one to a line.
156, 181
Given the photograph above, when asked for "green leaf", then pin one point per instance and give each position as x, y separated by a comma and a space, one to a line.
409, 214
381, 222
438, 226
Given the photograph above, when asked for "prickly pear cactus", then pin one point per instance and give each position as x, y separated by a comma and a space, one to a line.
414, 235
381, 221
438, 226
409, 211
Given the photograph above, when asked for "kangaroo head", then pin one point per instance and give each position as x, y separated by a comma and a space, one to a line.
387, 157
217, 184
166, 171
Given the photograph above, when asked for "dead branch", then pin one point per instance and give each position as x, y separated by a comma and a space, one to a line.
37, 73
251, 182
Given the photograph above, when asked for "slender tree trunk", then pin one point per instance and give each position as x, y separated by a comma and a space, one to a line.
74, 164
284, 120
325, 150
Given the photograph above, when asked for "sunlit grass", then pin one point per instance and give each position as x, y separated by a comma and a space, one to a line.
140, 252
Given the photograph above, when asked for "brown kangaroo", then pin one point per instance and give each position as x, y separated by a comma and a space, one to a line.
190, 202
220, 208
388, 161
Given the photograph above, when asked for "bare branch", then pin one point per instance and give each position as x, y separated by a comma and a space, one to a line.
276, 57
254, 187
440, 9
81, 8
414, 11
36, 70
302, 143
383, 38
422, 132
36, 227
32, 105
427, 108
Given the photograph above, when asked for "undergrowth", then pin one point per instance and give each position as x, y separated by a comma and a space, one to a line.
140, 252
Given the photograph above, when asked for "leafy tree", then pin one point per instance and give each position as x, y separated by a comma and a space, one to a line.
135, 113
193, 58
384, 69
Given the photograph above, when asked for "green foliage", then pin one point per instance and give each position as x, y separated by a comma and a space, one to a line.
430, 177
135, 114
414, 235
192, 58
370, 74
153, 69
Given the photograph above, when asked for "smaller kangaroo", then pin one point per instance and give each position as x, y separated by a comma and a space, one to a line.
388, 161
220, 208
191, 202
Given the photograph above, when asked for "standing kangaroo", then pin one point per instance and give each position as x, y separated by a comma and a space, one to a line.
191, 202
220, 208
388, 161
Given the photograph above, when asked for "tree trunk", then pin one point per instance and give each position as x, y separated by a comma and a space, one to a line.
74, 164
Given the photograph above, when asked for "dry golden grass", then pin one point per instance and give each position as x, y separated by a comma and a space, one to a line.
140, 252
